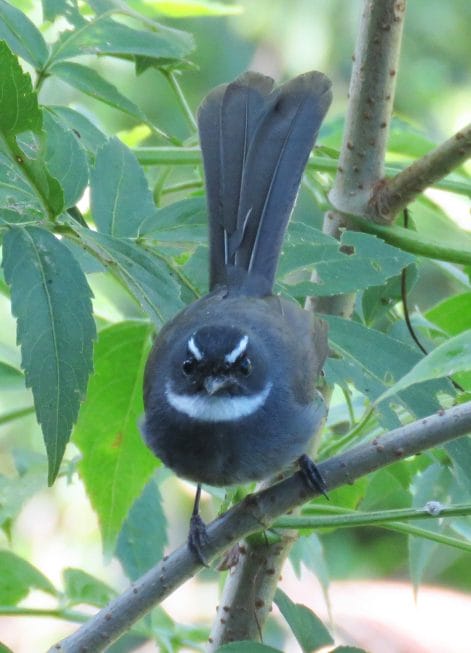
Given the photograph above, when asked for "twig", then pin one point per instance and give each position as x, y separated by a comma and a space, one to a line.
391, 196
262, 508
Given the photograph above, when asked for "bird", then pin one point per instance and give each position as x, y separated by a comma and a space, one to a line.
230, 391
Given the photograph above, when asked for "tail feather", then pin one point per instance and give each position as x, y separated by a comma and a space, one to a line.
255, 143
226, 120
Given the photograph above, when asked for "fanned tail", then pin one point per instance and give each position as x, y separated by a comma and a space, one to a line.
255, 143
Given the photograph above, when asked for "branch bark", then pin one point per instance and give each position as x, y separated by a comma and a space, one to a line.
256, 511
393, 195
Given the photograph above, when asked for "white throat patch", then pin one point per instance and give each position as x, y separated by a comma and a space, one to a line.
216, 409
233, 355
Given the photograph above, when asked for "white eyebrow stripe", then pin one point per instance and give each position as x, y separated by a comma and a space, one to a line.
216, 409
233, 355
192, 346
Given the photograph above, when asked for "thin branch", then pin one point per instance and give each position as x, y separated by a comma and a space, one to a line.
257, 510
391, 196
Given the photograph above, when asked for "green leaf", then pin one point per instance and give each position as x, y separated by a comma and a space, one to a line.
115, 463
65, 159
310, 551
81, 587
143, 536
14, 491
5, 649
120, 196
183, 223
372, 361
105, 36
247, 647
147, 278
359, 261
51, 299
453, 314
18, 577
378, 300
348, 649
460, 453
22, 36
18, 102
10, 377
308, 629
27, 190
184, 8
52, 9
451, 357
91, 83
85, 131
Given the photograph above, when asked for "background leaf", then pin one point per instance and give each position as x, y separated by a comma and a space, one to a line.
51, 300
18, 577
81, 587
247, 647
90, 82
120, 196
359, 261
115, 463
452, 356
143, 536
22, 35
308, 629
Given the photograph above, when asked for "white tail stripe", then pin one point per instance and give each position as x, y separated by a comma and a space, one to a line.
192, 346
216, 409
233, 355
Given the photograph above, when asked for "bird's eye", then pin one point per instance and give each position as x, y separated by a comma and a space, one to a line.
188, 366
245, 365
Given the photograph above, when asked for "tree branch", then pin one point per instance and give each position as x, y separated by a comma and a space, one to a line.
390, 196
257, 511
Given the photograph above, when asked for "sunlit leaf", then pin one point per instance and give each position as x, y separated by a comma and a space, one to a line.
18, 577
308, 629
81, 587
115, 463
22, 35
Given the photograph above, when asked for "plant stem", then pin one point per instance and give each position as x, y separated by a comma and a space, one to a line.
16, 414
394, 195
182, 101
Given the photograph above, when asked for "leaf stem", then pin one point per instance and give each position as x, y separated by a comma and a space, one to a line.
182, 101
16, 414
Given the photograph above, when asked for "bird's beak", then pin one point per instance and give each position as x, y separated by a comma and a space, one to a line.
214, 384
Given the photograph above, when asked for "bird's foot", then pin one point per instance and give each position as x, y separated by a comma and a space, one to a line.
312, 475
198, 538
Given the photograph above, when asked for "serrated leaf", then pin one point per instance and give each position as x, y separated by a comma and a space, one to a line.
372, 361
105, 36
359, 261
18, 103
18, 577
26, 187
91, 83
22, 35
52, 9
81, 587
308, 629
183, 223
120, 196
51, 300
143, 536
90, 137
115, 463
65, 159
147, 277
378, 300
447, 359
247, 647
